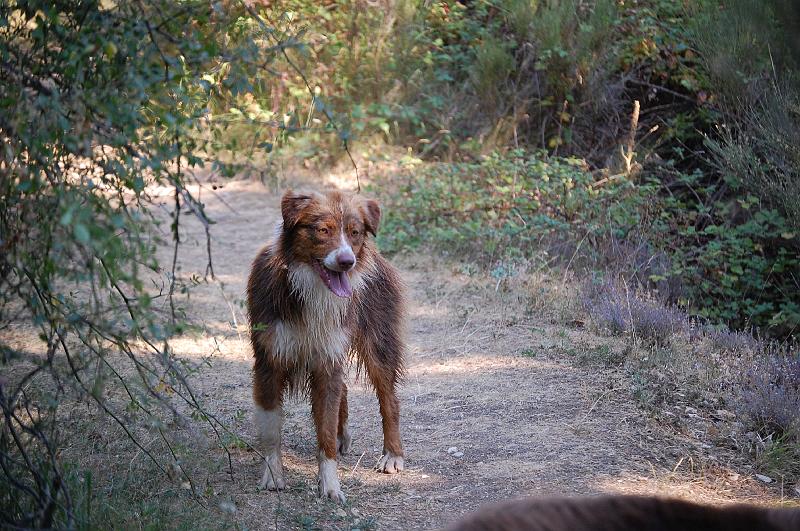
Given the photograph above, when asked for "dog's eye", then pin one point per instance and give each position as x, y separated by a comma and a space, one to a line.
355, 233
322, 230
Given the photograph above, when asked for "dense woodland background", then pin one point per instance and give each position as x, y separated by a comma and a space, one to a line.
649, 148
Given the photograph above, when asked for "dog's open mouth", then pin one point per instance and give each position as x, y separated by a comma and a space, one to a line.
337, 281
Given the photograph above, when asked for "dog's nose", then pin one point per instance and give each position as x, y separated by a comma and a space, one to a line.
345, 260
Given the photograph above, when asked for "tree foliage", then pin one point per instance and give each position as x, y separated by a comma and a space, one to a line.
101, 101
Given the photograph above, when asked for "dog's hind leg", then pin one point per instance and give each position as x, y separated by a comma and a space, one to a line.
392, 459
343, 440
384, 377
378, 343
326, 392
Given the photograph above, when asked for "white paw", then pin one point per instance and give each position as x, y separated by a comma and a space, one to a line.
273, 474
329, 481
344, 442
390, 463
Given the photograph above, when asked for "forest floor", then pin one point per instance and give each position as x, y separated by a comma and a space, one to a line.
496, 405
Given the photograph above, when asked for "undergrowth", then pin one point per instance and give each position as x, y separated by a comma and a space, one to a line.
507, 207
671, 354
532, 210
706, 208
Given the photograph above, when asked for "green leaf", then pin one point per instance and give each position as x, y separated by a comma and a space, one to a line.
81, 233
66, 219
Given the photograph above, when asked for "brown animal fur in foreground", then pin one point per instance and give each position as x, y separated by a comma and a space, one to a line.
318, 292
625, 513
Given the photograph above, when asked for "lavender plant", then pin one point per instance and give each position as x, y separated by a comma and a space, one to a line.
771, 396
617, 309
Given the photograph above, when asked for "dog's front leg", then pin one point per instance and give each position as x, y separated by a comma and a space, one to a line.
326, 391
269, 381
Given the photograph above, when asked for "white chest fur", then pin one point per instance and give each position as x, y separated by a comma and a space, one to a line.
321, 336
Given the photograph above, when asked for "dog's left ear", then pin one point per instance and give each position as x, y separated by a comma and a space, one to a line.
372, 215
292, 205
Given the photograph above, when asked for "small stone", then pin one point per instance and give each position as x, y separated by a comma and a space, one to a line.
452, 450
227, 507
458, 454
341, 513
763, 478
690, 410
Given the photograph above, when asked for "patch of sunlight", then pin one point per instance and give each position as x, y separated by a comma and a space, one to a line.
717, 486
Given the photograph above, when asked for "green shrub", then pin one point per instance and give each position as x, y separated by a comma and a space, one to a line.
750, 50
739, 261
733, 261
507, 207
759, 153
744, 41
438, 75
493, 65
98, 101
749, 250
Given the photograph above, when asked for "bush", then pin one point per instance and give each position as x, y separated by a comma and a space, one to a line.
738, 259
750, 246
507, 207
617, 309
771, 398
709, 209
727, 260
99, 100
448, 77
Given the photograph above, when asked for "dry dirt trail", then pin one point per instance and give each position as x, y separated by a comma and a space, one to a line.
484, 377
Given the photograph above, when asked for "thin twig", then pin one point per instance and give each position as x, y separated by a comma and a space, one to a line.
176, 238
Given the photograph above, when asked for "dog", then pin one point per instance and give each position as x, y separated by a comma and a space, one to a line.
317, 293
625, 513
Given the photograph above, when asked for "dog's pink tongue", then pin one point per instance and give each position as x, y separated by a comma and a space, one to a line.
340, 284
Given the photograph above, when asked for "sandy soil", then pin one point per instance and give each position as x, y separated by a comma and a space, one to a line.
486, 376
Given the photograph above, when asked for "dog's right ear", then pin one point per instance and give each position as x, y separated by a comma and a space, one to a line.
292, 206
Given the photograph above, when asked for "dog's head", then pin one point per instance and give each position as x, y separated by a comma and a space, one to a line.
328, 232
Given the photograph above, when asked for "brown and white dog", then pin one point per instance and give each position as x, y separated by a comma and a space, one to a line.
318, 292
625, 513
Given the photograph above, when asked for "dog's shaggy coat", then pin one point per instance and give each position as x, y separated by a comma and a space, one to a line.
317, 293
625, 513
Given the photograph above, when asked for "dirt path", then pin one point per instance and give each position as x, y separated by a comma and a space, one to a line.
485, 377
